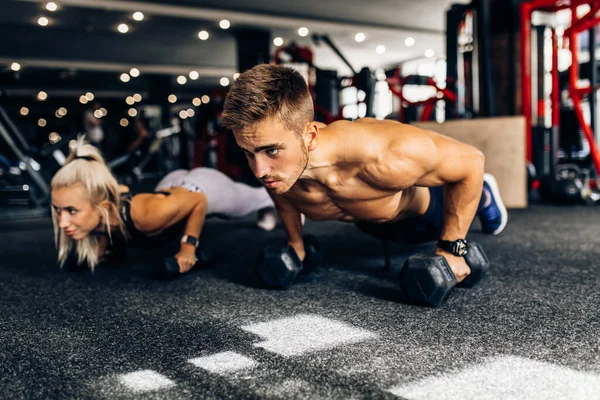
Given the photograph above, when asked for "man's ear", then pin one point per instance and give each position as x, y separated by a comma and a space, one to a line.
311, 136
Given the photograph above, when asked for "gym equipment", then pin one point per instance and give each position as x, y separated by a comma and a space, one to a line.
137, 162
169, 269
468, 62
567, 137
277, 267
325, 85
396, 84
569, 185
32, 188
428, 279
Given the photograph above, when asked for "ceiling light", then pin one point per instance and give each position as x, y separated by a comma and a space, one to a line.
360, 37
43, 21
224, 24
196, 101
89, 96
97, 114
190, 112
41, 122
380, 49
83, 99
124, 122
134, 72
132, 112
24, 111
51, 6
278, 41
183, 114
303, 31
123, 28
125, 77
429, 53
194, 75
15, 66
203, 35
236, 75
41, 96
172, 98
62, 111
57, 114
409, 41
54, 137
182, 80
137, 97
103, 111
138, 16
224, 81
205, 99
130, 101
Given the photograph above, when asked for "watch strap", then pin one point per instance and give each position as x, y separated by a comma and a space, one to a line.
458, 247
190, 240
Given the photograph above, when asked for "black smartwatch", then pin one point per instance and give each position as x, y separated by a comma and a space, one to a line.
458, 247
190, 240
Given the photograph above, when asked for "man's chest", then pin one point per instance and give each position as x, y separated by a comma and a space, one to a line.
345, 197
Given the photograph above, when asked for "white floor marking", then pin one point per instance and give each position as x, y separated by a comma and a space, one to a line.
505, 378
222, 363
145, 381
305, 333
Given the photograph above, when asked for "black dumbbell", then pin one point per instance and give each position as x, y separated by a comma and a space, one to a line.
428, 279
312, 253
169, 269
277, 267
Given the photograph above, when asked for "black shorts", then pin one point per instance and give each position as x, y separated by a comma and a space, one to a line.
421, 229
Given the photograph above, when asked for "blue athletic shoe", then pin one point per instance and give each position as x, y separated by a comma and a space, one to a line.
493, 214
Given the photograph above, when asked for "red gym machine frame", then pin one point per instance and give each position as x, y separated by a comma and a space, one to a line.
577, 25
395, 84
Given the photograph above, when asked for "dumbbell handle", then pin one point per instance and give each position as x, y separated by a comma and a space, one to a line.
477, 262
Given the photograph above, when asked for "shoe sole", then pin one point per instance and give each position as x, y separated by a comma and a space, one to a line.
491, 181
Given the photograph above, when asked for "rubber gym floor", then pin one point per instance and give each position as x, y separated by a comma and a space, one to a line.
530, 330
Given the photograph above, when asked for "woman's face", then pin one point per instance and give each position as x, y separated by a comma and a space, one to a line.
76, 214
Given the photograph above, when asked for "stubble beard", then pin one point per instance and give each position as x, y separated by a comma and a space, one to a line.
297, 173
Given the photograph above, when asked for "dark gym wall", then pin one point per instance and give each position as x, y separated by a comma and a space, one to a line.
253, 48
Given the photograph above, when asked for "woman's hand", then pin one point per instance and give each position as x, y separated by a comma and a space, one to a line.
186, 259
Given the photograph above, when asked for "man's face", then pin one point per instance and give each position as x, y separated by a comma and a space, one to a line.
276, 155
76, 214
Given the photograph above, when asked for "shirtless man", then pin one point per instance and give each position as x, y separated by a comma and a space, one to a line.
393, 180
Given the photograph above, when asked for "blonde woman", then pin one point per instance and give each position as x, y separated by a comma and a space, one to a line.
92, 213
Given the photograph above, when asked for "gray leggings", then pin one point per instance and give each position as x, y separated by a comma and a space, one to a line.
226, 198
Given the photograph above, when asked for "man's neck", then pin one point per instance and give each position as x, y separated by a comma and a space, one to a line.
320, 161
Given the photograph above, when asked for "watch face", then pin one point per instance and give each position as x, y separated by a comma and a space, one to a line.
460, 247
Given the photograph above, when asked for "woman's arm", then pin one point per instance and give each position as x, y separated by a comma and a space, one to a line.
152, 213
186, 257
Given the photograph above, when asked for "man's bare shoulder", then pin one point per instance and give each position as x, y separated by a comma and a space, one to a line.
380, 136
373, 126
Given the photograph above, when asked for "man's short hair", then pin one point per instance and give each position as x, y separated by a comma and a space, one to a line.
267, 91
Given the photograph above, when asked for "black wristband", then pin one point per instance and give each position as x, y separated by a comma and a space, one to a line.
458, 247
189, 240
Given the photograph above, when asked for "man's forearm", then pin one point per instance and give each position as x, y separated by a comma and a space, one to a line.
292, 223
460, 205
